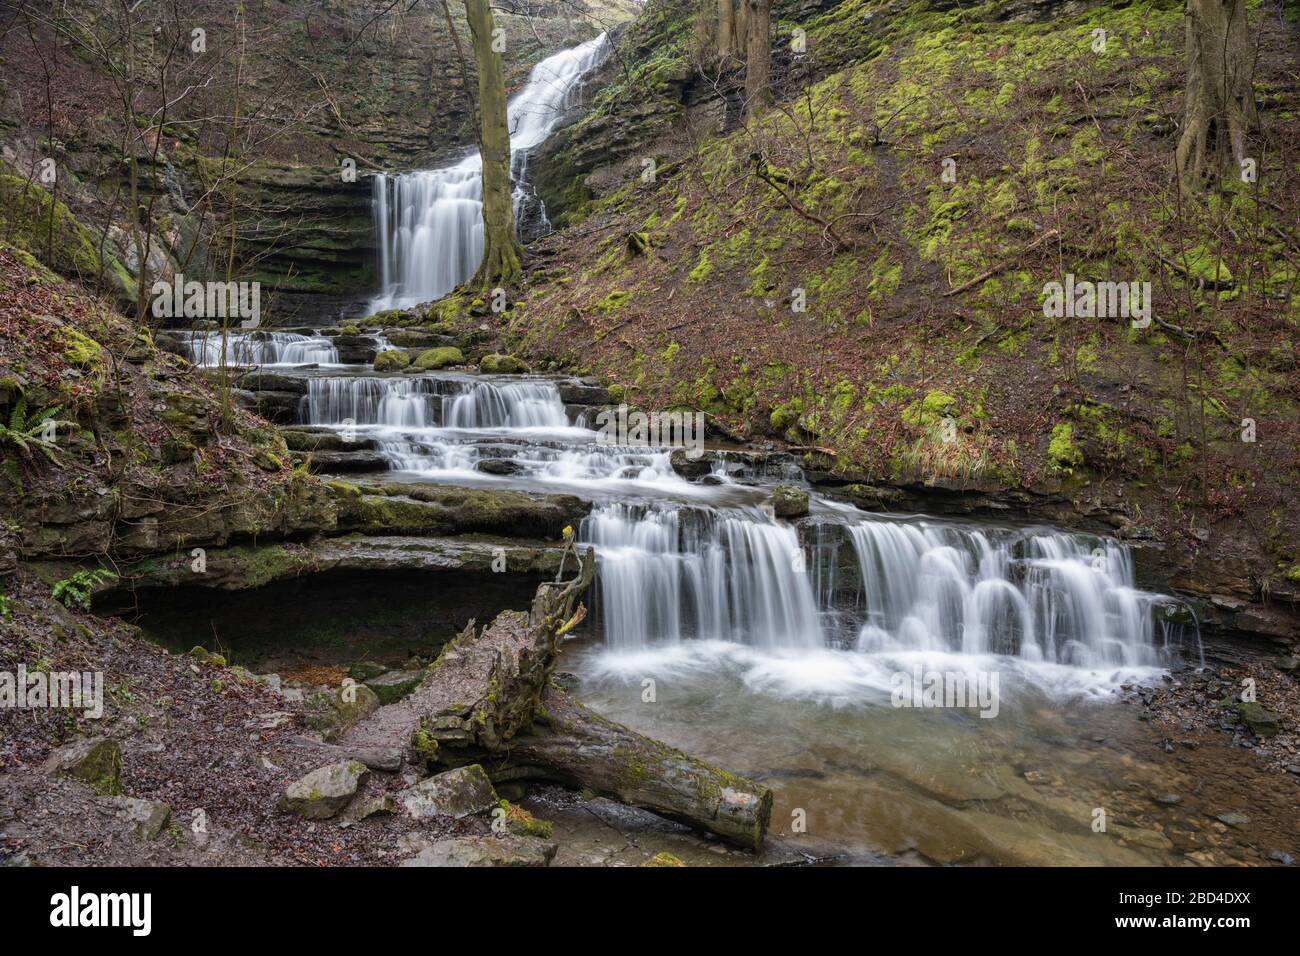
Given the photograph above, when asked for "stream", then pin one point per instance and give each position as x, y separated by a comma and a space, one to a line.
798, 651
912, 689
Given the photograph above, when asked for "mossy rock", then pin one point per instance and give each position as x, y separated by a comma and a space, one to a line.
1262, 723
33, 220
520, 821
789, 502
392, 686
440, 357
333, 711
93, 760
499, 364
324, 792
393, 360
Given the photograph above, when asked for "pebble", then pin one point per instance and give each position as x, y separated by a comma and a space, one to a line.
1233, 819
1169, 799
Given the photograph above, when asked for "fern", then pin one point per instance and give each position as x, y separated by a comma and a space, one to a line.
76, 590
25, 432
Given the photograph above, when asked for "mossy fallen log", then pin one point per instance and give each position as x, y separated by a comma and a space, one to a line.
489, 699
569, 743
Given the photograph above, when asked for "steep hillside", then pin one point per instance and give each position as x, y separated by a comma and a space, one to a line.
861, 272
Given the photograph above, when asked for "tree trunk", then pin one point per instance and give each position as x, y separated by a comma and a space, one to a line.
573, 745
740, 39
489, 700
758, 55
726, 29
1220, 104
501, 250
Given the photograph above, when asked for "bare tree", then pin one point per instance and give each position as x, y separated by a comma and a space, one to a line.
758, 54
1220, 104
502, 253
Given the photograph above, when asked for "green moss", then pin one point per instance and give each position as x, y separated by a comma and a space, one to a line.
498, 364
392, 360
1063, 455
931, 409
32, 219
702, 269
614, 301
523, 823
440, 357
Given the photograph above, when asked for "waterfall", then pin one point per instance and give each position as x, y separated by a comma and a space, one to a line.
429, 224
671, 573
362, 400
258, 348
667, 574
514, 405
1041, 595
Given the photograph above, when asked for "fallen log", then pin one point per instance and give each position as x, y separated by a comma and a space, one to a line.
484, 686
572, 745
489, 699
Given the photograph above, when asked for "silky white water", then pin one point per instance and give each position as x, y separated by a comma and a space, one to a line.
204, 348
698, 572
429, 224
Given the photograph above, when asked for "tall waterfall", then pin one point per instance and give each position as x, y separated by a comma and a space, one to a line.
429, 223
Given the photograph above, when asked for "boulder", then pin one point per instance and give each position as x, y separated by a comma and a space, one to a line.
498, 466
455, 793
505, 850
499, 364
366, 670
789, 502
333, 711
692, 469
440, 357
145, 818
93, 760
392, 686
392, 360
382, 805
1262, 723
325, 791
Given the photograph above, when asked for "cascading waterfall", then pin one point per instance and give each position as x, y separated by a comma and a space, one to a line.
727, 571
259, 348
738, 575
369, 400
453, 423
514, 405
429, 223
1041, 595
